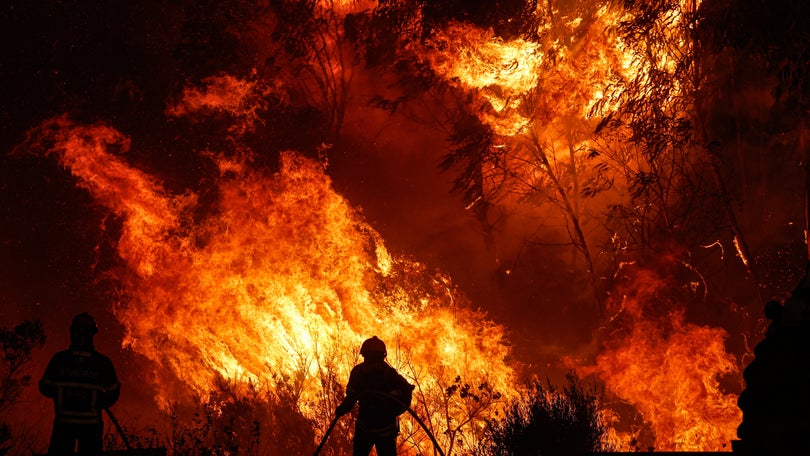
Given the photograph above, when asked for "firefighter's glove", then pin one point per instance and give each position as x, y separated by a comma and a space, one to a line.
343, 409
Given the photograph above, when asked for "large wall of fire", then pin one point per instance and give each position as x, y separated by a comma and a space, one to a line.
243, 191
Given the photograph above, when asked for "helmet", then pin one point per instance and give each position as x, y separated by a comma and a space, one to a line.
373, 345
84, 322
774, 310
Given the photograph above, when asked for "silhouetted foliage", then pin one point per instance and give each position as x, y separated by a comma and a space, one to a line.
297, 23
775, 32
311, 50
471, 143
656, 142
549, 421
478, 402
211, 39
233, 420
16, 347
658, 99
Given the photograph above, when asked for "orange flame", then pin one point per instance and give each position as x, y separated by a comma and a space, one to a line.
578, 76
478, 59
281, 281
499, 71
241, 99
548, 92
670, 371
344, 7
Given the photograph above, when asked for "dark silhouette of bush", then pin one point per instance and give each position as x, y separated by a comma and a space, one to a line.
16, 347
236, 419
548, 422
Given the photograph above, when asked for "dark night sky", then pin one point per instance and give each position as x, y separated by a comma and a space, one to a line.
77, 57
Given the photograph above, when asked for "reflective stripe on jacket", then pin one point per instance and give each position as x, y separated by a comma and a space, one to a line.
81, 383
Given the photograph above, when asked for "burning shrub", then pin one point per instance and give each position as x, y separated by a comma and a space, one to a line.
549, 421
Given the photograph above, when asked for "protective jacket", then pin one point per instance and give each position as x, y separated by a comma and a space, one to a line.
81, 382
373, 384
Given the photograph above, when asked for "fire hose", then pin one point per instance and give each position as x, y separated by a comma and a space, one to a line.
119, 428
407, 409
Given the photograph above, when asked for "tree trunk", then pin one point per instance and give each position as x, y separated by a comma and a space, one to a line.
578, 236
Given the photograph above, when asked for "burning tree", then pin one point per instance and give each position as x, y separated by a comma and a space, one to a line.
313, 54
636, 75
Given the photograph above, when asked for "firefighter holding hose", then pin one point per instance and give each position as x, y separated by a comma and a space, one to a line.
82, 383
382, 393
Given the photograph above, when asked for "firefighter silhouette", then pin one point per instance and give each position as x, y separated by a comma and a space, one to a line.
383, 394
81, 382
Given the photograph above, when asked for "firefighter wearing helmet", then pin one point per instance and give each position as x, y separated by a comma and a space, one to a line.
382, 393
81, 382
